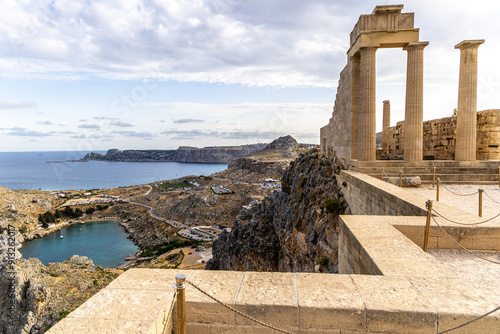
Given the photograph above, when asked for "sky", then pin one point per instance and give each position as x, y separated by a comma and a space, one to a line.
90, 75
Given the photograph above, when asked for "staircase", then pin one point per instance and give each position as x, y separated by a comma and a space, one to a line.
457, 172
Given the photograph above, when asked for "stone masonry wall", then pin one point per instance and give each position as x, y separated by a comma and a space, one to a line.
440, 138
336, 135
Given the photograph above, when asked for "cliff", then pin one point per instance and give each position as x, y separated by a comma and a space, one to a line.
222, 154
293, 230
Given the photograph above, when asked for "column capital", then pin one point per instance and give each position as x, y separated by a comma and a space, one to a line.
415, 46
386, 101
369, 48
469, 44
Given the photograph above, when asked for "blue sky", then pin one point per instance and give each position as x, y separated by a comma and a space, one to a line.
150, 74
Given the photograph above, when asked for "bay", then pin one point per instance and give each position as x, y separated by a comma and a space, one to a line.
31, 170
105, 243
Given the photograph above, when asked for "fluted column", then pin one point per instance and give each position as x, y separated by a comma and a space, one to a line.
367, 105
386, 123
354, 105
414, 109
465, 149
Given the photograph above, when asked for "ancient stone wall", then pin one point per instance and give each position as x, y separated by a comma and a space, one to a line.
440, 137
336, 135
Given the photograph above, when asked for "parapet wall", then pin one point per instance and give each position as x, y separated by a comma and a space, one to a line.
440, 137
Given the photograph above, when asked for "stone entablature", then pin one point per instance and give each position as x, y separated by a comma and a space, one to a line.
440, 137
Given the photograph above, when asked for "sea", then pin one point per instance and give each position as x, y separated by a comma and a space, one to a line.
105, 243
52, 171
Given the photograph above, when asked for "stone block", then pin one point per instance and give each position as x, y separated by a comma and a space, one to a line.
225, 329
197, 328
329, 302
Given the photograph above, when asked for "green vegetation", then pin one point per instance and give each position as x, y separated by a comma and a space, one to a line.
175, 185
333, 205
62, 315
166, 247
50, 217
322, 260
23, 230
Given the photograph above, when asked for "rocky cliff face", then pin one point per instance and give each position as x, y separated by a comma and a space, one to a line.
291, 230
182, 154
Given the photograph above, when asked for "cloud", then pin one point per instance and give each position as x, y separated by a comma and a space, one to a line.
122, 124
89, 126
106, 118
188, 120
143, 134
45, 122
236, 134
23, 132
15, 104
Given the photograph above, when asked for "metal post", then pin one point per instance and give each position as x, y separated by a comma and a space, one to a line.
498, 176
433, 177
481, 202
382, 173
428, 205
181, 303
400, 178
437, 190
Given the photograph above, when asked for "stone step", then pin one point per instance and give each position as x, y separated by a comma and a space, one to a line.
439, 170
469, 178
429, 163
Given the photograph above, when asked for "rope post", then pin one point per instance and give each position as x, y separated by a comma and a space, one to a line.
433, 177
480, 191
382, 173
498, 176
428, 205
437, 190
181, 303
400, 178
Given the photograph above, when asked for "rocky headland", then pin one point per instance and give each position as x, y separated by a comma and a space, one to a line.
216, 154
292, 230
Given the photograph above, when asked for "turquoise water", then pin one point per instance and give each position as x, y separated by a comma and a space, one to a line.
30, 170
105, 243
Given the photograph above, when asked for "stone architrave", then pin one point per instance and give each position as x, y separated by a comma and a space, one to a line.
367, 105
414, 110
386, 123
466, 137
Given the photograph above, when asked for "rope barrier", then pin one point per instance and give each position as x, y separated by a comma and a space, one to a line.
469, 322
465, 224
451, 191
491, 198
236, 311
170, 312
459, 245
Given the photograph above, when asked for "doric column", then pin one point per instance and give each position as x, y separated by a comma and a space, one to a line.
465, 149
354, 105
386, 123
367, 105
414, 109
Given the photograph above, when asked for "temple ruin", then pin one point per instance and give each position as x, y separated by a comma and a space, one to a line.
350, 134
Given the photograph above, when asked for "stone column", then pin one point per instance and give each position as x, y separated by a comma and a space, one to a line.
367, 105
354, 105
386, 123
414, 109
465, 149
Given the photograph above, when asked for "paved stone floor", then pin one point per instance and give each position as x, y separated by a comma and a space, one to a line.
491, 206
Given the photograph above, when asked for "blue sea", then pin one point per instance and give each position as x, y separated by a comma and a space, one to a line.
32, 170
105, 243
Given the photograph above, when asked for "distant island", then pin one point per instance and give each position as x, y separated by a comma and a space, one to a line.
214, 154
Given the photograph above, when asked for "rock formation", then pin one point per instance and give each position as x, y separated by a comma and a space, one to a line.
291, 230
222, 154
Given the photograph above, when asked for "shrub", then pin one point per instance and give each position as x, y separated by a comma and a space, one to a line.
322, 260
333, 205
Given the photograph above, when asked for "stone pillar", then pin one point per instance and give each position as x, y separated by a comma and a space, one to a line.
414, 109
367, 105
354, 105
465, 149
386, 123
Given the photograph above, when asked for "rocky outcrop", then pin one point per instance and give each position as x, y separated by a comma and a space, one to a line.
291, 230
223, 154
269, 162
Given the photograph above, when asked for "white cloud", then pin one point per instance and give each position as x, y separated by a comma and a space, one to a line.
15, 104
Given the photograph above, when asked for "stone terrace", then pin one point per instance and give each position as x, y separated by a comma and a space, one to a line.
387, 284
